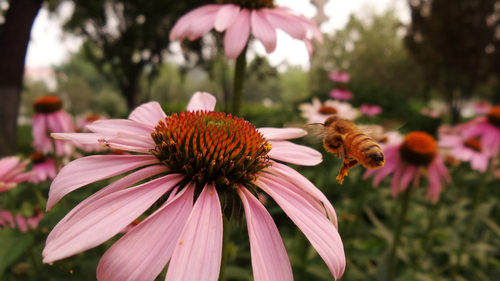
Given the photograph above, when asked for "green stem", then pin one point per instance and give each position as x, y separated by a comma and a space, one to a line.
239, 80
226, 228
469, 228
432, 213
393, 261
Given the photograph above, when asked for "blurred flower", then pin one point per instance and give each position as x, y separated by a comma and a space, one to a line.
407, 160
7, 220
262, 17
481, 107
11, 172
198, 152
341, 94
432, 113
50, 118
340, 77
370, 109
487, 129
81, 126
466, 150
318, 112
43, 166
391, 138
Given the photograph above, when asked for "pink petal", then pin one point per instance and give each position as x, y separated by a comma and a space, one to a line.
263, 30
145, 250
114, 126
294, 153
309, 46
201, 101
198, 251
304, 184
183, 25
226, 17
21, 223
112, 188
39, 129
396, 178
480, 162
285, 22
236, 36
311, 26
201, 25
149, 113
434, 186
316, 227
282, 134
93, 168
269, 258
407, 176
105, 217
83, 138
128, 142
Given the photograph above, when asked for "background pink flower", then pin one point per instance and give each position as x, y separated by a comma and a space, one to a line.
487, 129
341, 94
11, 172
404, 161
237, 22
7, 220
341, 77
466, 150
184, 232
370, 109
44, 167
317, 112
50, 118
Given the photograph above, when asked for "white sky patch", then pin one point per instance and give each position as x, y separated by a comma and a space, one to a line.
50, 46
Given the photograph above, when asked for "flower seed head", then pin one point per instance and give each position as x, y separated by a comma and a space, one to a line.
250, 4
494, 116
47, 104
418, 148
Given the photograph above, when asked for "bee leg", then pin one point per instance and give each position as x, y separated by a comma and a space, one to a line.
344, 170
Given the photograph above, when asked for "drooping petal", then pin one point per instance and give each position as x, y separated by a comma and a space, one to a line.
145, 250
226, 17
282, 133
86, 170
202, 24
434, 185
269, 258
316, 227
237, 35
285, 22
396, 179
113, 187
304, 184
201, 101
83, 138
293, 153
105, 217
182, 26
149, 113
198, 251
263, 30
309, 46
128, 142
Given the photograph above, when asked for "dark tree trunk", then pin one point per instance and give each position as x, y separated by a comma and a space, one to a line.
14, 38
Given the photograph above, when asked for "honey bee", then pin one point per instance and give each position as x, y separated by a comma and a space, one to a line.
344, 139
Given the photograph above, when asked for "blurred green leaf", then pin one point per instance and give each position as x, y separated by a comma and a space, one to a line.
12, 246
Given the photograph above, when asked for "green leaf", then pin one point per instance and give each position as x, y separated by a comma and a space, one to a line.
12, 246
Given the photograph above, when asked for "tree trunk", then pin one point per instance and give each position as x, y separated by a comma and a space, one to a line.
14, 38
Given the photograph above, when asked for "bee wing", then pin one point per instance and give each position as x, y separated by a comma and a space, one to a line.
376, 132
315, 132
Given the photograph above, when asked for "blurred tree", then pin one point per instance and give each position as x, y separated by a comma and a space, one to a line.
14, 38
371, 50
457, 44
122, 37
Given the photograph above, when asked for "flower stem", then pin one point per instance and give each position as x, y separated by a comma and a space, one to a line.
239, 80
393, 261
226, 228
469, 228
432, 213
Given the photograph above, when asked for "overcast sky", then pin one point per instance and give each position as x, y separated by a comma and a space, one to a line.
50, 46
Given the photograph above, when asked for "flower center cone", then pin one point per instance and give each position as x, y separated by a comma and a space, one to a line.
327, 110
474, 144
211, 147
250, 4
47, 104
418, 148
494, 116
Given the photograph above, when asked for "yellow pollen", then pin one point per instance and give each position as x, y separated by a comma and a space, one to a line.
182, 242
211, 193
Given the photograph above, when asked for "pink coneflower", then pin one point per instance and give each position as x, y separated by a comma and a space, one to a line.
370, 109
317, 112
11, 172
466, 150
341, 94
238, 18
24, 224
418, 153
193, 158
481, 107
487, 129
340, 77
50, 118
44, 167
